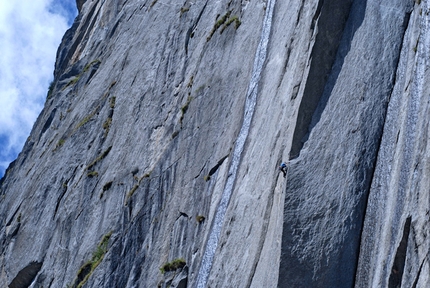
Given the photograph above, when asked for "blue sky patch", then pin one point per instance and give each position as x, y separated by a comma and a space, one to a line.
31, 34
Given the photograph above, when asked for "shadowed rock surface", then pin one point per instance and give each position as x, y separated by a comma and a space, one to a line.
154, 162
26, 276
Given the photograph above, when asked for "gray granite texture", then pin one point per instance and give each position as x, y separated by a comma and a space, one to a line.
154, 162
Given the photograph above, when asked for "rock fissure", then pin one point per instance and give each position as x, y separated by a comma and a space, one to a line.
200, 171
328, 71
190, 31
79, 4
395, 173
405, 24
417, 278
9, 222
63, 192
99, 158
365, 204
25, 276
331, 17
379, 141
398, 267
71, 50
263, 237
215, 168
259, 60
299, 15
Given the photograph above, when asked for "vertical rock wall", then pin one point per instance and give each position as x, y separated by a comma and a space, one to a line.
123, 172
122, 177
395, 245
329, 180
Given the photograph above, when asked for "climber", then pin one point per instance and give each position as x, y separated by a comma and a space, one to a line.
283, 168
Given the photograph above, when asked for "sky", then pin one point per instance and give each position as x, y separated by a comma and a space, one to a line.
30, 33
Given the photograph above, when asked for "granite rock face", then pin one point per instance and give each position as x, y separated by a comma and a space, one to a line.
154, 162
329, 181
395, 243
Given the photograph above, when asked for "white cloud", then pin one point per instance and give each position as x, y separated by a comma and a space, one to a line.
30, 32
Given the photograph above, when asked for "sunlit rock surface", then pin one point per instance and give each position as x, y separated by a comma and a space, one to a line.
155, 160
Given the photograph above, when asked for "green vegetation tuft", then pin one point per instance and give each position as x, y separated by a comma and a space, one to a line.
112, 102
234, 20
88, 268
200, 218
77, 77
224, 21
133, 189
184, 108
93, 174
108, 90
237, 23
88, 66
135, 186
106, 125
174, 134
72, 82
50, 89
153, 3
190, 83
60, 142
218, 24
172, 266
100, 157
84, 121
184, 10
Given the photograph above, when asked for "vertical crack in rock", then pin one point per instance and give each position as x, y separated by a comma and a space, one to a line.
13, 215
400, 258
267, 215
193, 27
79, 4
387, 197
331, 23
61, 64
406, 21
48, 122
365, 204
215, 168
65, 52
63, 192
414, 285
25, 276
251, 99
318, 211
